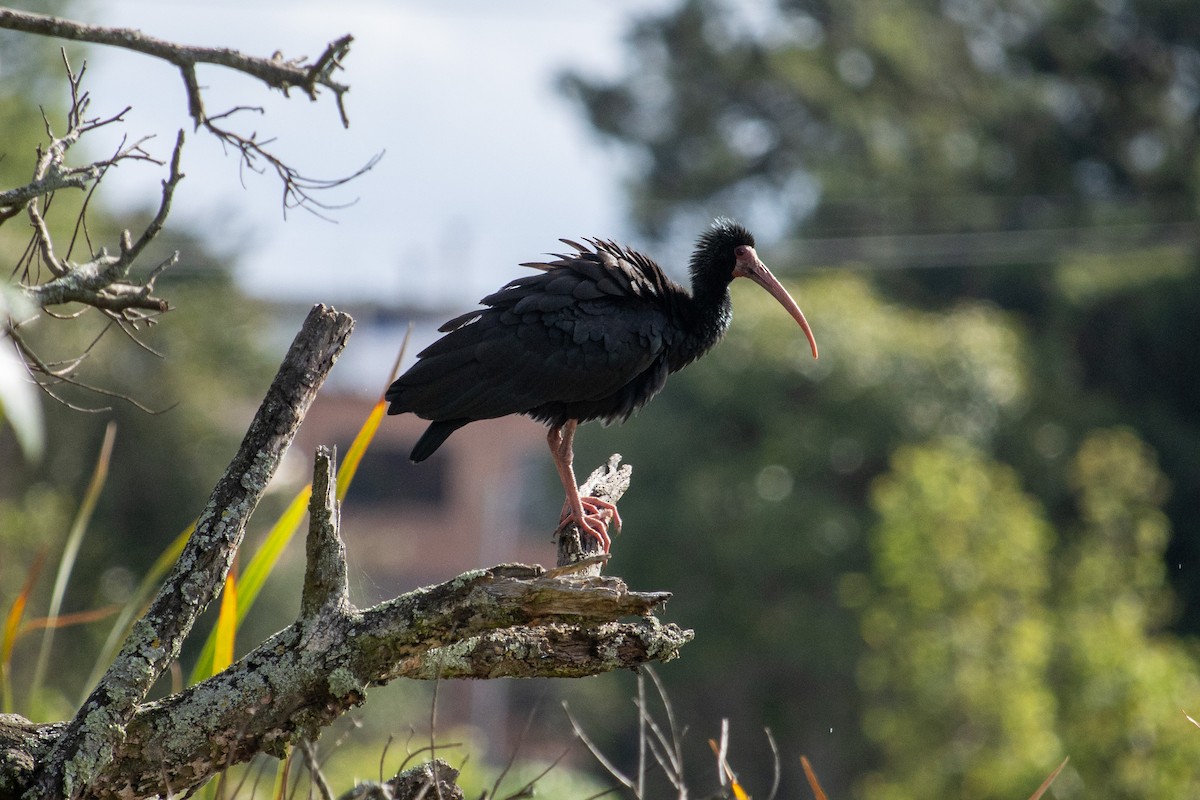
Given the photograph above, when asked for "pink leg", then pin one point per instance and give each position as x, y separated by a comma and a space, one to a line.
587, 512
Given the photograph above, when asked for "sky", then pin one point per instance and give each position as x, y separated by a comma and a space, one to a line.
485, 164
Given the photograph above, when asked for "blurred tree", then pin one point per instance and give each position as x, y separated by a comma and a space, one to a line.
958, 630
1039, 156
766, 457
983, 671
929, 117
1120, 719
968, 156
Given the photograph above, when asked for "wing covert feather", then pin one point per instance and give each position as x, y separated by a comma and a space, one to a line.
579, 336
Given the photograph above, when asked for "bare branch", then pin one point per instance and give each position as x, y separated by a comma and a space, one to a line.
51, 171
92, 739
47, 374
102, 282
13, 200
305, 676
275, 72
509, 620
298, 189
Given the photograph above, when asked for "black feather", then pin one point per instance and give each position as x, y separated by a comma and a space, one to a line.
592, 335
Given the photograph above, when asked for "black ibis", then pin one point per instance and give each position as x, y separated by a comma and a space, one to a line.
592, 335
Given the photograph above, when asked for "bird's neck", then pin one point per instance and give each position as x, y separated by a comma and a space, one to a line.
708, 313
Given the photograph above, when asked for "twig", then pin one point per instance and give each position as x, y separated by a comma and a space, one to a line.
276, 72
308, 749
65, 375
777, 775
609, 767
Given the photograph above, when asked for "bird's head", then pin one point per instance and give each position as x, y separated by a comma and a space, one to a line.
726, 251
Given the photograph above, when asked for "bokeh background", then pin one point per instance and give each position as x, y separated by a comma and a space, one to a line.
958, 548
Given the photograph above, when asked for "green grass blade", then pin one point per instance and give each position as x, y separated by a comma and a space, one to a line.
70, 553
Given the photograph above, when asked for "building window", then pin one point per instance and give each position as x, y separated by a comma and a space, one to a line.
387, 477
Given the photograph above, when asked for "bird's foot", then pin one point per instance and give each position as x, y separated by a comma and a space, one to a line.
605, 510
595, 520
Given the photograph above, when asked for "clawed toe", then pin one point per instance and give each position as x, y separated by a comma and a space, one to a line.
594, 521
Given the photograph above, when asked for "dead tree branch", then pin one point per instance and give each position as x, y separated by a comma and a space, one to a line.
94, 737
276, 72
584, 555
510, 620
105, 282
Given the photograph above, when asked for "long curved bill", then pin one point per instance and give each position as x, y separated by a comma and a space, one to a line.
757, 271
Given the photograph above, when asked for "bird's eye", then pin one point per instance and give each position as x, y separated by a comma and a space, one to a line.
740, 251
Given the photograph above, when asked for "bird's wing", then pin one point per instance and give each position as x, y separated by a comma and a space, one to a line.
577, 332
611, 269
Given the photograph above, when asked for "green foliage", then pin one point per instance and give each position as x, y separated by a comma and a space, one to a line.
30, 522
983, 671
958, 630
749, 503
861, 116
1125, 683
1019, 182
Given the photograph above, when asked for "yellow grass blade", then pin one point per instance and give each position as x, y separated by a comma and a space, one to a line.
738, 792
399, 358
358, 447
281, 776
227, 622
366, 433
168, 558
255, 575
1041, 790
813, 783
12, 629
268, 553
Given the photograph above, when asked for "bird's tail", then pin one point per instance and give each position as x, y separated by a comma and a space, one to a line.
434, 435
393, 396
